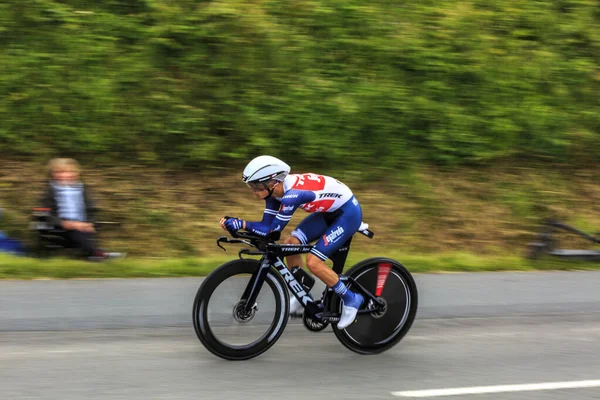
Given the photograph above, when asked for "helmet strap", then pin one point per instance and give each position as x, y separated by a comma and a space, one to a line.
270, 189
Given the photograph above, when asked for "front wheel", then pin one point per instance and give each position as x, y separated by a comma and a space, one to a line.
220, 321
378, 332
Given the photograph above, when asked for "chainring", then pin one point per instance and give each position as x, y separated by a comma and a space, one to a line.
312, 324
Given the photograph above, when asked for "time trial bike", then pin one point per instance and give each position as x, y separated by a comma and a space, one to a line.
242, 307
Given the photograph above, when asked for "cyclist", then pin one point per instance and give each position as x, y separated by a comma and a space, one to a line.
327, 199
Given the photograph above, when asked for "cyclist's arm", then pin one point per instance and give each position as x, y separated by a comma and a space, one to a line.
271, 207
289, 204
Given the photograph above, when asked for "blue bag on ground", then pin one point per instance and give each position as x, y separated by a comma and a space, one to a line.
11, 246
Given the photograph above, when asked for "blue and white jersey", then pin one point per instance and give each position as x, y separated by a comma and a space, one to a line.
310, 192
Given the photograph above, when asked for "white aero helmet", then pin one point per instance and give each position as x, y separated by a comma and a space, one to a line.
262, 169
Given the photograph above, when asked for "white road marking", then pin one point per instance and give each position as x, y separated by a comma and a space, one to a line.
498, 389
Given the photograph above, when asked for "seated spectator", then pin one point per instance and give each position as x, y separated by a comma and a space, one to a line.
72, 209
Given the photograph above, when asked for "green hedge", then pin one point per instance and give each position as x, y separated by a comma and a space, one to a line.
329, 82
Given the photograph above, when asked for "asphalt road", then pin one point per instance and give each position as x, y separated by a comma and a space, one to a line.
133, 339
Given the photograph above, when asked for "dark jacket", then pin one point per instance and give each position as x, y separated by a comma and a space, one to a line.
49, 201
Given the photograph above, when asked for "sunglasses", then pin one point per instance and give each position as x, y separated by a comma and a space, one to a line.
257, 186
260, 186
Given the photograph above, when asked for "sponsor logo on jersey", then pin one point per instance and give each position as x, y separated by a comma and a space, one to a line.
287, 208
334, 195
290, 196
333, 236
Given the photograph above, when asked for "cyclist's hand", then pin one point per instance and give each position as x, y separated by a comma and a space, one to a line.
222, 223
234, 224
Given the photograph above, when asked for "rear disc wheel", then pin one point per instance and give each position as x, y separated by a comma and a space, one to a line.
379, 331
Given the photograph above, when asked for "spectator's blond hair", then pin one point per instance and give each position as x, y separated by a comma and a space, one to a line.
63, 164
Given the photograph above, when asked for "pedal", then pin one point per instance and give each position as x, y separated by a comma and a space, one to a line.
327, 317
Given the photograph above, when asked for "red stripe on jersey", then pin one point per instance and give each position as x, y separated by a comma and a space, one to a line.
318, 206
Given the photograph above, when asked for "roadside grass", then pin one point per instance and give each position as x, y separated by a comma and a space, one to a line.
431, 219
12, 267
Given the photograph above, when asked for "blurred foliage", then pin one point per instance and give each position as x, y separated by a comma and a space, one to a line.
190, 83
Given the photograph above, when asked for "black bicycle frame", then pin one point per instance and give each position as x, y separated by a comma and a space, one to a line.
273, 258
272, 254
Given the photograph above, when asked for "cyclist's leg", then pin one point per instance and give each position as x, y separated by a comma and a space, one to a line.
334, 237
307, 231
